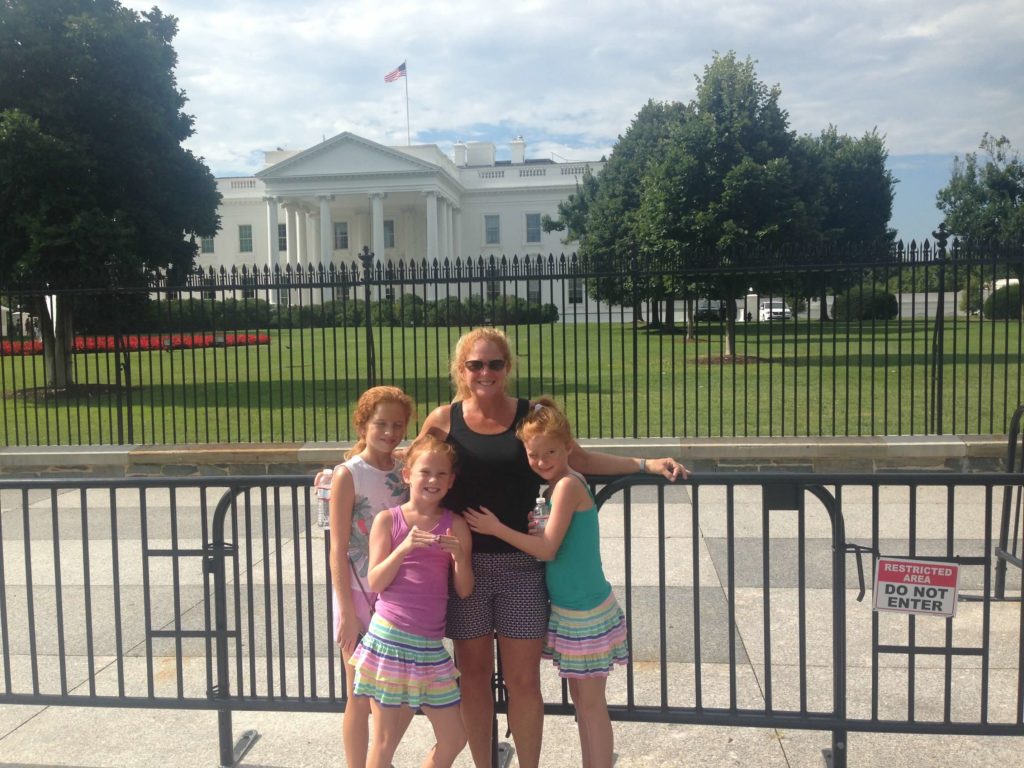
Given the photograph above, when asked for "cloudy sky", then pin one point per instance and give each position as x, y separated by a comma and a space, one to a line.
932, 76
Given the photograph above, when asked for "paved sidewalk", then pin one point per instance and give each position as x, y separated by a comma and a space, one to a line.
90, 738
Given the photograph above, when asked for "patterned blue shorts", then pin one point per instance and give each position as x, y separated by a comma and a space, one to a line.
509, 596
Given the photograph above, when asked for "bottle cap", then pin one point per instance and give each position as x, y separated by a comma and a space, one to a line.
541, 500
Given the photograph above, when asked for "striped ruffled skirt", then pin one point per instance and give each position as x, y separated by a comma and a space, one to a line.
396, 667
587, 643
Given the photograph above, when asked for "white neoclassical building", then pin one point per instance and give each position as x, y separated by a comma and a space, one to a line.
325, 203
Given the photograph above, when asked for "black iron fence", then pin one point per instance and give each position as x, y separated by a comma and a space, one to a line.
742, 592
901, 341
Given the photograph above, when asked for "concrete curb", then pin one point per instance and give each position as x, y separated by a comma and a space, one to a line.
965, 453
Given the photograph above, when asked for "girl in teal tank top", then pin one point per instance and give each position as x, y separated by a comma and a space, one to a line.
586, 630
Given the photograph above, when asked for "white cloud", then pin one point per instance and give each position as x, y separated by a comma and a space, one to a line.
931, 76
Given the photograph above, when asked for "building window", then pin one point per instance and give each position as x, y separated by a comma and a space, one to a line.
206, 245
283, 297
389, 233
341, 235
248, 291
493, 290
492, 229
245, 238
576, 290
339, 294
533, 227
210, 282
389, 294
533, 291
282, 237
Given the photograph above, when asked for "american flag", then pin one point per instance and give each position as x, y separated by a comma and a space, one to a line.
395, 73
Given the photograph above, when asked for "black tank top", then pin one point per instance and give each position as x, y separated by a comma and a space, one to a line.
493, 472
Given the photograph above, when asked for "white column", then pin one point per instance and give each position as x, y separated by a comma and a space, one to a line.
302, 254
272, 253
449, 228
377, 225
431, 226
443, 228
292, 222
457, 232
326, 231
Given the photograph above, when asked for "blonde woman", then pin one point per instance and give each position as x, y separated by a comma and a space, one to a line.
509, 597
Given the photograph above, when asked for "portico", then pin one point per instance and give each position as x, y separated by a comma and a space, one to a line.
347, 192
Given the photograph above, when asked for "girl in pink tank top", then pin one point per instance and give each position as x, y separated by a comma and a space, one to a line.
400, 664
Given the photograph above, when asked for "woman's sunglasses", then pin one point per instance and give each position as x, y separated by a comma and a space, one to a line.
478, 365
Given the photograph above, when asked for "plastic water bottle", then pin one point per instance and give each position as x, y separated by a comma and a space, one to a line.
540, 514
323, 499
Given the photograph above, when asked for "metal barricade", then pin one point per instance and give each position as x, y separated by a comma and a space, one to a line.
743, 594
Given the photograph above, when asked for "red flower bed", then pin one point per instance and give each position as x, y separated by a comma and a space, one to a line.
135, 343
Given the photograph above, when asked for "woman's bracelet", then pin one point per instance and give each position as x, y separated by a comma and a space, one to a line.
643, 466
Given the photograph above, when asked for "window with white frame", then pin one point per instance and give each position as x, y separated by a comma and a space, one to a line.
576, 290
492, 229
283, 297
389, 233
533, 291
245, 238
206, 245
210, 282
282, 237
341, 235
533, 227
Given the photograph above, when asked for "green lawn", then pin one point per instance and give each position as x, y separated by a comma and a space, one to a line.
798, 378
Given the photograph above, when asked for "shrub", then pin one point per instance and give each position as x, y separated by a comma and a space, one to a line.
1003, 304
865, 302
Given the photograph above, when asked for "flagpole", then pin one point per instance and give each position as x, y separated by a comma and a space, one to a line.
408, 133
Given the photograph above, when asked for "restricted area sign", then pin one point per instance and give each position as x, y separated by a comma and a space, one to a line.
916, 586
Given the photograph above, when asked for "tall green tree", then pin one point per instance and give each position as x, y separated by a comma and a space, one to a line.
721, 181
850, 195
725, 183
984, 201
95, 186
603, 212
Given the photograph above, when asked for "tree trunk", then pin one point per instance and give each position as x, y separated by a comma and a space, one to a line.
654, 310
730, 335
670, 313
58, 340
691, 326
824, 307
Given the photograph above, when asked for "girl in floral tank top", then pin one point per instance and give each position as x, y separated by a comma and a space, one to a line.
367, 482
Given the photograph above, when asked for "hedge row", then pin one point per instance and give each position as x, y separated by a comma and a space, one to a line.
866, 302
142, 314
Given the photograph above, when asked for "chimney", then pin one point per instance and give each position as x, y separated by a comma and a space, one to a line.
481, 153
518, 148
460, 153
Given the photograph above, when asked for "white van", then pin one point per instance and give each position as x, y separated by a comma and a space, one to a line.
773, 309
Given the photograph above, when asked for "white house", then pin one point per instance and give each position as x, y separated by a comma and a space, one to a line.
324, 203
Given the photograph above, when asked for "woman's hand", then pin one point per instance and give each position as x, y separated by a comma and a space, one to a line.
348, 634
670, 469
482, 520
